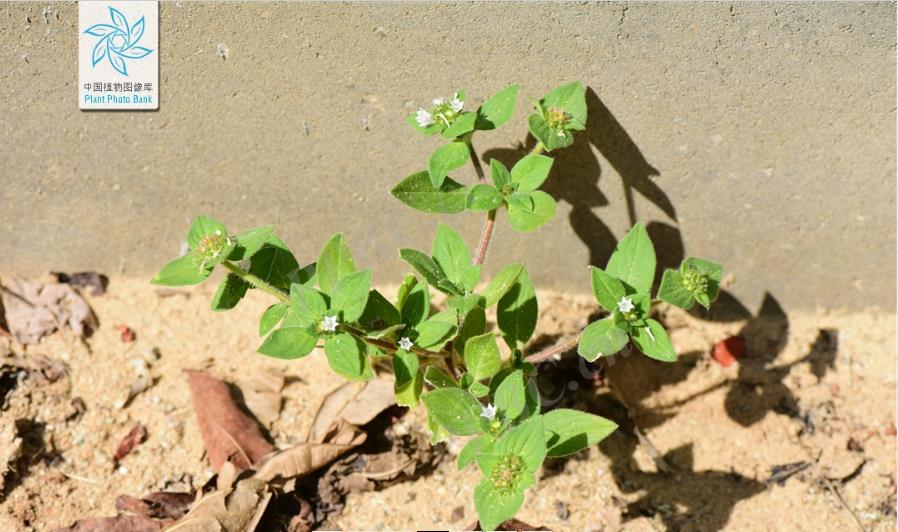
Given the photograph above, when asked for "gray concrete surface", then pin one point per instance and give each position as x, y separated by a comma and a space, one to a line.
758, 135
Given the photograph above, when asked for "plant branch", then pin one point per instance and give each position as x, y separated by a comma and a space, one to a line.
550, 352
390, 346
256, 281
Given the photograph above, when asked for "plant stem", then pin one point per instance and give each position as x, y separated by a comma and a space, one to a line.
389, 346
256, 282
565, 345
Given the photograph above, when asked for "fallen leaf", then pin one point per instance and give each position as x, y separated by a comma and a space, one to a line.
307, 457
162, 505
230, 510
134, 438
262, 394
119, 523
228, 433
35, 310
41, 368
357, 403
728, 351
97, 282
126, 333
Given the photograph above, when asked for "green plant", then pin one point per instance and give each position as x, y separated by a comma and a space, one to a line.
449, 360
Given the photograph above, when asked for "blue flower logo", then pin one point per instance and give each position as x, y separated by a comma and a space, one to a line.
118, 41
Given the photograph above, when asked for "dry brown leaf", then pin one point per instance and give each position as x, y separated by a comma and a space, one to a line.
228, 433
230, 510
307, 457
97, 282
119, 523
35, 310
163, 505
134, 438
262, 394
354, 402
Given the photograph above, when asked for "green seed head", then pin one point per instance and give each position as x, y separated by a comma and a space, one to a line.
695, 282
556, 118
506, 475
210, 248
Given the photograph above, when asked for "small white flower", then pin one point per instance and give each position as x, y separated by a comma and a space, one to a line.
438, 101
488, 411
405, 344
625, 304
456, 104
329, 323
424, 118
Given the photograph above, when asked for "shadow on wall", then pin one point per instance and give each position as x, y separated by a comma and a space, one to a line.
708, 496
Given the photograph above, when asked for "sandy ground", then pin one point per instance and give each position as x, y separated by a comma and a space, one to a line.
793, 398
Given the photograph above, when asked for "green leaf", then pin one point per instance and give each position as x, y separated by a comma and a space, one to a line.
451, 253
495, 507
445, 159
416, 306
423, 264
438, 378
543, 211
351, 295
271, 317
478, 445
249, 242
409, 379
654, 342
347, 356
497, 109
517, 311
521, 201
418, 192
308, 304
499, 173
608, 290
379, 313
464, 123
569, 431
672, 290
601, 338
288, 342
469, 278
533, 403
633, 260
202, 227
510, 396
274, 263
527, 440
550, 138
474, 324
478, 389
482, 356
229, 293
501, 283
427, 130
183, 271
334, 263
530, 172
436, 330
483, 197
571, 98
455, 409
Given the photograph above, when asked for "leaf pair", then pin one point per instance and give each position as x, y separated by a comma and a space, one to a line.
528, 208
558, 114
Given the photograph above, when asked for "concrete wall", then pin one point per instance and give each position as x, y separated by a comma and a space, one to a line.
758, 135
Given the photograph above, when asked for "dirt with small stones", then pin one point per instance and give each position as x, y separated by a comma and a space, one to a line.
798, 433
